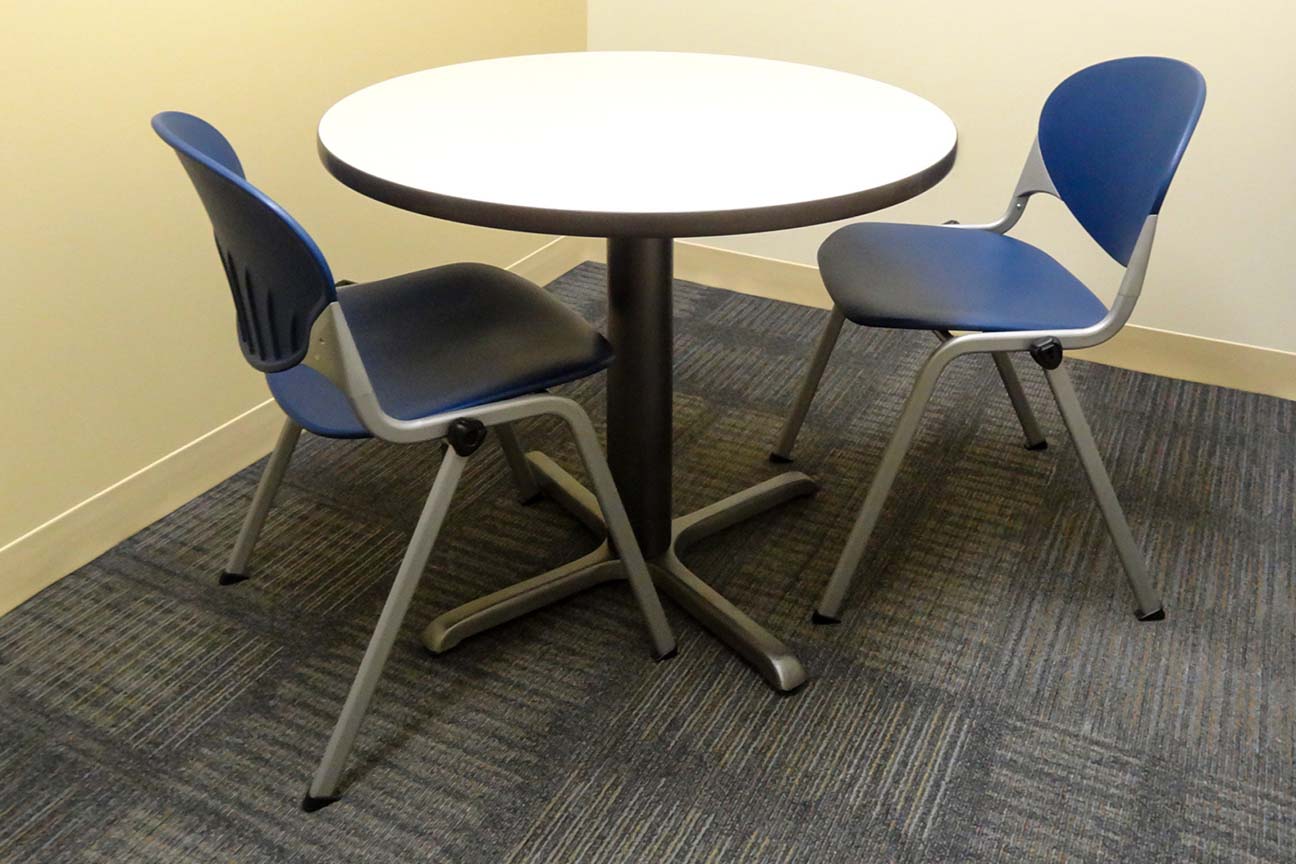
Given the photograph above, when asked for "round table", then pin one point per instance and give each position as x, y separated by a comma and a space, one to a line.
640, 148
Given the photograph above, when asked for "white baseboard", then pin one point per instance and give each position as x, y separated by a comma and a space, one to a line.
77, 536
556, 257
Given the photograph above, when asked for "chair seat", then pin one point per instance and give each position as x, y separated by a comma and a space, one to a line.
934, 278
446, 338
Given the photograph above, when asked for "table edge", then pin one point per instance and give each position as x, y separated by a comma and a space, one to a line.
580, 223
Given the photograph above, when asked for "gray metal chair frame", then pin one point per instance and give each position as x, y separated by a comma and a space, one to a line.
333, 353
1046, 347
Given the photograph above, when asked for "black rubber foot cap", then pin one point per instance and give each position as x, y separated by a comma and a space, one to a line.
228, 578
310, 803
1158, 615
795, 691
818, 618
1043, 445
534, 499
779, 459
669, 655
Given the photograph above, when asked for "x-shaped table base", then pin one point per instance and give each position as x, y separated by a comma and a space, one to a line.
770, 657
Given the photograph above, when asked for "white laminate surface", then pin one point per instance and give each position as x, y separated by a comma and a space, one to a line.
637, 132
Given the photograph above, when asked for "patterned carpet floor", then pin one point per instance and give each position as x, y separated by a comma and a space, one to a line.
988, 697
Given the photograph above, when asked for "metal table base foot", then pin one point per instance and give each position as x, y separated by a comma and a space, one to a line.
595, 568
770, 657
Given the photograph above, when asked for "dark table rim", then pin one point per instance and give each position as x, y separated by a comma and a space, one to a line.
578, 223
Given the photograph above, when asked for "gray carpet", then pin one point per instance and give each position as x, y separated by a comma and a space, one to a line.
989, 697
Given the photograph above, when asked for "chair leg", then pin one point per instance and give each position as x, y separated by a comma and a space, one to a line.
236, 567
1035, 439
830, 603
1149, 601
782, 451
528, 489
622, 537
323, 787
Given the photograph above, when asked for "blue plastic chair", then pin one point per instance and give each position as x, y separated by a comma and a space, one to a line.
444, 353
1110, 139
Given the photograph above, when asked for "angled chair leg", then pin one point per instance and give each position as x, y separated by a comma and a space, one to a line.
1035, 439
622, 537
528, 489
782, 451
236, 567
830, 603
323, 788
1149, 601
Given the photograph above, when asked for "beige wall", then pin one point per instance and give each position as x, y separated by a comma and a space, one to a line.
1223, 266
116, 336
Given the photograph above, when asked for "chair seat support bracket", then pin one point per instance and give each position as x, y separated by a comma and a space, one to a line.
1047, 352
465, 435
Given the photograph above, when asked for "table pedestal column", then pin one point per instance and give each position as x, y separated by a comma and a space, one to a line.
639, 388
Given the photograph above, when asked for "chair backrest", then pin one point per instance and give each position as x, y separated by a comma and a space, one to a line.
277, 275
1111, 137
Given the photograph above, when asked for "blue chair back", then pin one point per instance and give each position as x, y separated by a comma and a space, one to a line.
1111, 137
277, 275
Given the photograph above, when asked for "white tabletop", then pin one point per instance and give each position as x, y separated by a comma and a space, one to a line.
637, 143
